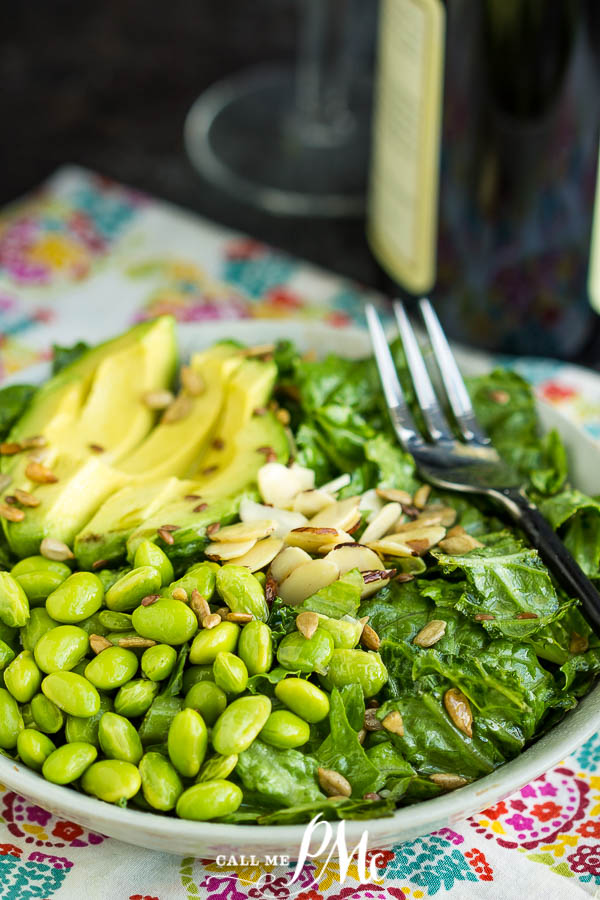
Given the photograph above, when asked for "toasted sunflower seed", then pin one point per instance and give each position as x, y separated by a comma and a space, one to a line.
306, 580
149, 599
211, 621
283, 416
421, 496
578, 643
98, 643
136, 642
241, 618
9, 448
369, 638
455, 531
333, 783
56, 550
307, 623
447, 781
431, 633
26, 499
393, 723
40, 474
11, 513
222, 611
158, 399
246, 531
371, 722
459, 709
460, 544
179, 409
165, 535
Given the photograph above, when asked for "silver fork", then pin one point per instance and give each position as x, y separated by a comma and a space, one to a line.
464, 461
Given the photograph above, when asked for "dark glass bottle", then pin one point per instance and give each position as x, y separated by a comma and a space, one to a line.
483, 187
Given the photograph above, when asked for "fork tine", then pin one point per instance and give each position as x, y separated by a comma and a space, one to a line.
435, 419
400, 415
458, 397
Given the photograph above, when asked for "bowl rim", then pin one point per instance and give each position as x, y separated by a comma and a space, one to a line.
575, 728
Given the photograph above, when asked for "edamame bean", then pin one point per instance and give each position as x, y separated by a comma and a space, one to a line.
27, 716
284, 729
158, 662
72, 693
167, 621
240, 723
115, 621
112, 780
14, 605
161, 784
68, 762
7, 654
39, 623
230, 672
112, 668
61, 648
135, 698
304, 698
242, 592
126, 593
149, 554
207, 699
93, 625
255, 647
217, 767
187, 742
11, 722
39, 576
9, 635
108, 577
356, 667
77, 598
345, 632
211, 641
157, 721
86, 730
22, 677
119, 739
300, 654
46, 715
193, 674
200, 577
209, 800
34, 748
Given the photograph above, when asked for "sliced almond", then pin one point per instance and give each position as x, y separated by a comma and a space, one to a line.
354, 556
158, 399
260, 555
278, 484
342, 539
332, 487
459, 544
421, 496
40, 474
228, 551
245, 531
306, 580
311, 539
431, 633
374, 580
307, 623
288, 559
303, 475
382, 523
343, 515
427, 537
394, 495
387, 547
437, 515
447, 781
309, 503
250, 511
56, 550
459, 709
370, 503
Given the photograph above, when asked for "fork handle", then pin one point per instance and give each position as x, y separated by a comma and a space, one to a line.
552, 550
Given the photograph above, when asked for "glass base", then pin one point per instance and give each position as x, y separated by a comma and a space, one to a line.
245, 135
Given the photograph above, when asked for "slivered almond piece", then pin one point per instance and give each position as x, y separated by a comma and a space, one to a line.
374, 580
191, 381
431, 633
98, 643
245, 531
333, 783
158, 399
285, 520
421, 496
369, 638
429, 535
309, 503
437, 515
343, 515
447, 781
38, 473
179, 409
332, 487
387, 547
56, 550
26, 499
306, 580
394, 495
343, 538
11, 513
459, 709
382, 523
228, 550
286, 561
307, 623
310, 538
393, 723
460, 544
279, 484
260, 555
354, 556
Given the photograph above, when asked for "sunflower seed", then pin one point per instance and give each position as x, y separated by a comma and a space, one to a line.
369, 638
199, 605
56, 550
165, 535
212, 529
96, 448
447, 781
307, 623
9, 448
211, 621
158, 399
333, 783
283, 416
421, 496
180, 594
38, 473
98, 643
26, 499
459, 709
393, 723
460, 544
455, 531
241, 618
135, 642
149, 599
431, 633
11, 513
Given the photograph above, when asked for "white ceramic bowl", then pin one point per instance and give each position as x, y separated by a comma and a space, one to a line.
211, 839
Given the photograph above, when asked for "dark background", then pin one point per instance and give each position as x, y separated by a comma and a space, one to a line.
108, 85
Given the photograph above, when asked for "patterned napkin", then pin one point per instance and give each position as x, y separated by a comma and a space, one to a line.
84, 257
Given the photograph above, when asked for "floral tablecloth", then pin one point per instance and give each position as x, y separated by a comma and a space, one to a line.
84, 257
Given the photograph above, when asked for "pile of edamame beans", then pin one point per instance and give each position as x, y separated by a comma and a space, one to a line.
132, 686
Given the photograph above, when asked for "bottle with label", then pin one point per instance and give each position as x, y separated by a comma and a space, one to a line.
484, 167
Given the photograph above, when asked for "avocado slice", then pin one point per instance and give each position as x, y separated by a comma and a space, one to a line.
82, 410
